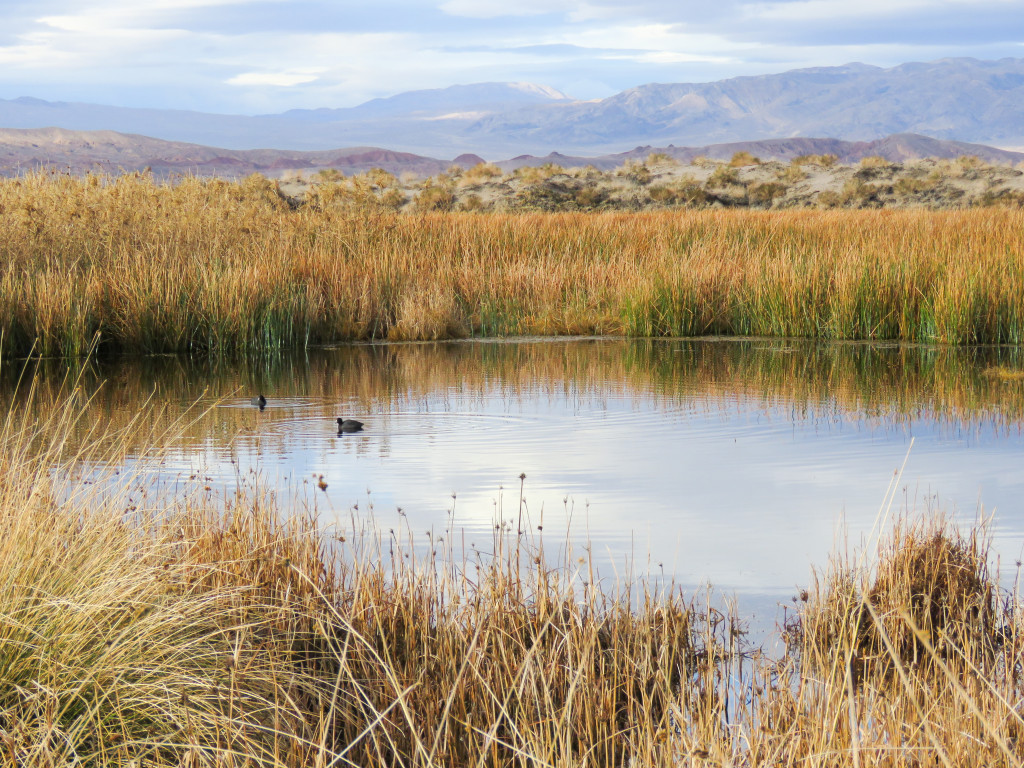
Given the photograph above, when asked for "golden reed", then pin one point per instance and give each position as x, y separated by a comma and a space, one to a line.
230, 267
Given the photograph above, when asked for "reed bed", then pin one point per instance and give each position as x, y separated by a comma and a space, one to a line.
231, 267
144, 627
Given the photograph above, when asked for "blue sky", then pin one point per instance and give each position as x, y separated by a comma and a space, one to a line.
259, 56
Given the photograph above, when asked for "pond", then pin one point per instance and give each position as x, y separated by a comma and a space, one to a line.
738, 463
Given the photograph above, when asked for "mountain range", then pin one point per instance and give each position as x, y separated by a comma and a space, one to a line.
957, 99
79, 152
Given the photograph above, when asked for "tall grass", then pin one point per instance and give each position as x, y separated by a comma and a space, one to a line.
150, 627
231, 267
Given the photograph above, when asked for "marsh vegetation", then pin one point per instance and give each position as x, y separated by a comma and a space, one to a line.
213, 266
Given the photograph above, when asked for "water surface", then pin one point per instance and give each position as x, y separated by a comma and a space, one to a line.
731, 462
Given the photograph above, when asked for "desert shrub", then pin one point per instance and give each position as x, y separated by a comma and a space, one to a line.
587, 173
829, 199
724, 175
330, 175
660, 158
743, 159
910, 187
874, 167
393, 198
381, 179
766, 192
589, 197
1013, 198
434, 198
662, 193
823, 161
636, 172
530, 174
481, 173
791, 174
352, 193
472, 203
874, 161
858, 193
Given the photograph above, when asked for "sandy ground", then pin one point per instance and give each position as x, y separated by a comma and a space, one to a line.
662, 182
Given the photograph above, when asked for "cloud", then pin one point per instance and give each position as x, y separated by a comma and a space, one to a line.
282, 79
270, 55
493, 9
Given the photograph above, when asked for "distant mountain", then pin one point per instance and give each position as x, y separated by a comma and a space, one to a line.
962, 99
957, 99
457, 101
416, 121
110, 152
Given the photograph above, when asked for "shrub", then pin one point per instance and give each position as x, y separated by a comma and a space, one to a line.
481, 173
724, 176
875, 161
911, 187
636, 172
766, 193
472, 203
589, 197
791, 174
743, 159
393, 198
381, 179
823, 161
529, 174
434, 198
661, 158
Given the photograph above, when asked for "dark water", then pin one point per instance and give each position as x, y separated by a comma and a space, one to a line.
740, 463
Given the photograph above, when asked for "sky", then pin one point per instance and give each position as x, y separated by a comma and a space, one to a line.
266, 56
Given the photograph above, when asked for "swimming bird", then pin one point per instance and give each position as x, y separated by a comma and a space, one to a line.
349, 425
261, 401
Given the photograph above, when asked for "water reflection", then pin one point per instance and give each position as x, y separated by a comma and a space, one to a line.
724, 461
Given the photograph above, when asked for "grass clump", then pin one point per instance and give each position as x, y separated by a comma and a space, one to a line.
929, 598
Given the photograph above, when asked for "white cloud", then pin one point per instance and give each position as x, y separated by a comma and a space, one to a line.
89, 49
284, 79
835, 11
492, 9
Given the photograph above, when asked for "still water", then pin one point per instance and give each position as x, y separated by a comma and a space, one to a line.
739, 463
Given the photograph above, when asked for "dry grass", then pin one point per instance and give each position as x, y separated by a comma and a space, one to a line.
231, 267
143, 627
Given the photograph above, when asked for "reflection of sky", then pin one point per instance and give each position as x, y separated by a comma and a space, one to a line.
725, 490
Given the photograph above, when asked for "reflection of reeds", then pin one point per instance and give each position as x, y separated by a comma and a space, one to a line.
185, 630
211, 265
888, 384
